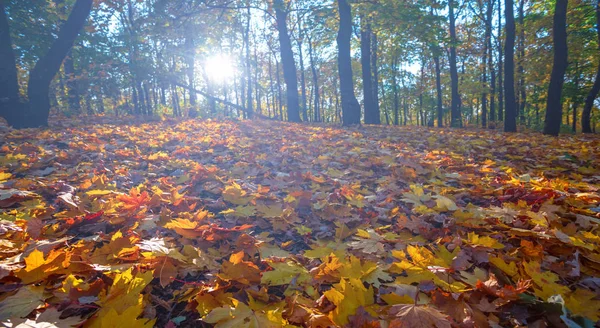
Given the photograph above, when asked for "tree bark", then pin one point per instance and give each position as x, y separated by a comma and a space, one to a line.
375, 69
395, 90
301, 33
484, 75
250, 106
46, 68
586, 126
510, 119
287, 60
315, 80
559, 67
456, 120
11, 107
350, 106
365, 59
488, 26
438, 88
500, 66
522, 91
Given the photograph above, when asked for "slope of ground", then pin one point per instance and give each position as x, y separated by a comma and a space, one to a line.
267, 224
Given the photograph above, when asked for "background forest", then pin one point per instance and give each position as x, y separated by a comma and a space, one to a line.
418, 62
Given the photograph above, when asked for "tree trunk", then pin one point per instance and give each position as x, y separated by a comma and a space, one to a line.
287, 60
586, 126
559, 67
488, 26
72, 91
248, 65
500, 66
365, 59
484, 80
375, 69
47, 67
438, 88
510, 117
315, 80
301, 33
11, 107
456, 120
350, 106
522, 91
190, 60
395, 90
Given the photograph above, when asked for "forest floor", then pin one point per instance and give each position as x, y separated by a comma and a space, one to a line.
268, 224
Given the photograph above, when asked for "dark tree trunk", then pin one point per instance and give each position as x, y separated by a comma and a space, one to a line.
250, 106
350, 106
47, 67
11, 107
456, 120
438, 88
488, 26
257, 88
395, 90
279, 91
148, 99
365, 59
302, 68
484, 75
375, 68
74, 100
522, 91
190, 60
576, 99
315, 80
500, 66
273, 109
559, 67
586, 126
510, 117
287, 60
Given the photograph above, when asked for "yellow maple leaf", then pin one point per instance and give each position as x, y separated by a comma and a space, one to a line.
240, 315
348, 296
483, 241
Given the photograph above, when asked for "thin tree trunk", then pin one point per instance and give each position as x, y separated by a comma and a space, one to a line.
489, 22
395, 88
365, 59
500, 66
375, 68
248, 65
315, 81
522, 91
559, 67
484, 75
593, 94
456, 120
438, 88
301, 33
510, 120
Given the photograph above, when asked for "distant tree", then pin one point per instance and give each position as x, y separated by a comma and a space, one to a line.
559, 67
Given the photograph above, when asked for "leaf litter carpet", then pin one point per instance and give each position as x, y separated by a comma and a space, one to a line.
267, 224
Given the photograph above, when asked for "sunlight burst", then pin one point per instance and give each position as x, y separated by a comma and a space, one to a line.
219, 68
